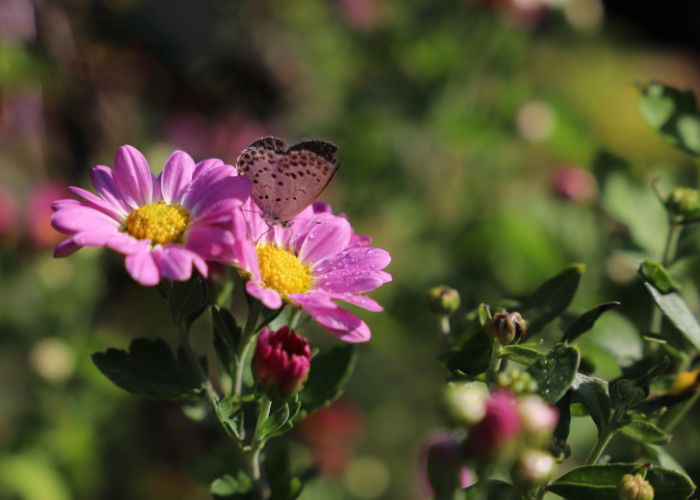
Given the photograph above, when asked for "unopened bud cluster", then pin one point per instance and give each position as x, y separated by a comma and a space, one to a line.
684, 203
507, 328
517, 381
635, 487
443, 300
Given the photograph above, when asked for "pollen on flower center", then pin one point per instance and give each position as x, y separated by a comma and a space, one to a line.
159, 222
282, 271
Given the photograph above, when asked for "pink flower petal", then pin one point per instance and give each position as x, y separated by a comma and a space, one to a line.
66, 248
270, 298
143, 269
206, 177
173, 263
114, 211
211, 242
205, 194
119, 242
323, 237
358, 300
103, 180
72, 219
135, 182
244, 250
370, 259
176, 176
341, 323
353, 280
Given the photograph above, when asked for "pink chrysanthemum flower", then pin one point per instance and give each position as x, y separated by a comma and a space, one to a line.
164, 225
311, 264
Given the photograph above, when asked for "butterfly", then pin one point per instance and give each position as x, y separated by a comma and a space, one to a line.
287, 180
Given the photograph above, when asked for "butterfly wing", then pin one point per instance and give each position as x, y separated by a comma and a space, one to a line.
285, 181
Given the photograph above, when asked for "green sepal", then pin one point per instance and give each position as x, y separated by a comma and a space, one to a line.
601, 482
149, 368
555, 372
552, 298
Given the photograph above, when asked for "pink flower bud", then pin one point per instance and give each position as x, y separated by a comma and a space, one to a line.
281, 362
537, 417
499, 428
575, 184
442, 471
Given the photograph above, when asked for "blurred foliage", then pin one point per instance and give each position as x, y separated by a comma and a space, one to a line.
453, 120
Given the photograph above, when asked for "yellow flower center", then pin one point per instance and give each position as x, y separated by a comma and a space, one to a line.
158, 222
282, 271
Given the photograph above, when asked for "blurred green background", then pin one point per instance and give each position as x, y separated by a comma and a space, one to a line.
486, 144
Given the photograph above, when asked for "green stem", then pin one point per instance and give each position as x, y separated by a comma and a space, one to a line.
294, 318
599, 448
675, 415
494, 362
445, 325
248, 338
257, 445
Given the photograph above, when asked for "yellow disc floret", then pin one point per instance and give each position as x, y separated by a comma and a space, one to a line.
159, 222
283, 271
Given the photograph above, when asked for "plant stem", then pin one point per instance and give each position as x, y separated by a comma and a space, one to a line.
674, 233
599, 448
445, 325
257, 445
248, 338
494, 361
674, 417
294, 318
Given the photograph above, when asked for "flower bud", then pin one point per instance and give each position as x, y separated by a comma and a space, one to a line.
517, 381
464, 404
684, 203
626, 393
538, 418
494, 434
575, 184
281, 361
442, 471
507, 327
635, 487
443, 300
532, 468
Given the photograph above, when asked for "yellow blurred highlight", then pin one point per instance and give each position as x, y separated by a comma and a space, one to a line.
367, 477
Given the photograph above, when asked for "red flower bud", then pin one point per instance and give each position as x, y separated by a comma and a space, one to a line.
281, 361
498, 430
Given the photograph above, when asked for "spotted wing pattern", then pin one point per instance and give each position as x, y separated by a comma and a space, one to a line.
287, 180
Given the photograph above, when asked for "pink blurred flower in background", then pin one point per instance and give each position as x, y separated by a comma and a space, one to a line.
499, 428
281, 361
441, 469
331, 433
40, 231
311, 264
363, 15
8, 215
575, 184
164, 225
17, 21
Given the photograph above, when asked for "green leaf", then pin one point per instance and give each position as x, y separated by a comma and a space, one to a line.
329, 372
673, 114
187, 300
229, 411
600, 482
523, 354
228, 485
662, 457
470, 353
593, 393
149, 369
586, 321
227, 336
280, 420
552, 298
558, 447
654, 273
645, 432
555, 372
677, 311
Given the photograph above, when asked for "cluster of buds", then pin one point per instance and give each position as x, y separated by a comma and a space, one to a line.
684, 204
281, 361
507, 328
518, 381
443, 300
635, 487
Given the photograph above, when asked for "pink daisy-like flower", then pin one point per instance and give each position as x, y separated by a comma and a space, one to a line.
314, 262
164, 225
